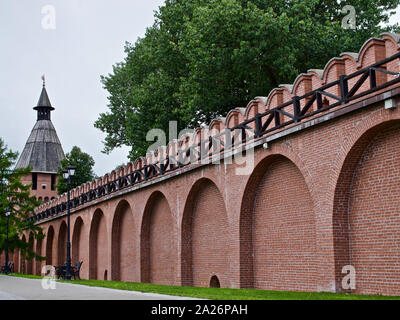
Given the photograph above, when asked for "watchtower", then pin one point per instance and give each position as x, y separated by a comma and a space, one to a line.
43, 152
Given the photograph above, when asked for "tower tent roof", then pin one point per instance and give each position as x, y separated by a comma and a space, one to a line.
43, 150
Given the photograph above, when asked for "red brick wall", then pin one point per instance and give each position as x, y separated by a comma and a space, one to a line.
124, 244
43, 190
283, 230
158, 242
98, 248
300, 186
29, 263
62, 244
50, 246
315, 201
22, 261
39, 251
374, 220
206, 234
79, 247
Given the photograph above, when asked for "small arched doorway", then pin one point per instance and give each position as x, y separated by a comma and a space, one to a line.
214, 282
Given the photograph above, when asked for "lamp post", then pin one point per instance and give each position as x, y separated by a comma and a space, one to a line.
6, 266
67, 175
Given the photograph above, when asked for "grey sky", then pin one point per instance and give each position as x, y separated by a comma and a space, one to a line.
89, 38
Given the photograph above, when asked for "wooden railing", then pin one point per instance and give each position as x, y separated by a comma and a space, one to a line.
294, 111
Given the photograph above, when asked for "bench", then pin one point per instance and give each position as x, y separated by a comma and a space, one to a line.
9, 269
76, 270
62, 270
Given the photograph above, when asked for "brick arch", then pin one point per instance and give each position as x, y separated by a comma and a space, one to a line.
38, 263
365, 210
205, 236
98, 245
29, 263
79, 248
277, 210
62, 244
287, 151
123, 247
158, 249
214, 282
22, 259
49, 245
16, 258
372, 122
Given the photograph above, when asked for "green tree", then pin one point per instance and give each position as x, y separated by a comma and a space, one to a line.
202, 58
16, 196
84, 169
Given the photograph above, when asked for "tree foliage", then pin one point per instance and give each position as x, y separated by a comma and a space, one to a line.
84, 169
16, 196
202, 58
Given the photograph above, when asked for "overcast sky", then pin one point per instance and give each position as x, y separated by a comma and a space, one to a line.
88, 39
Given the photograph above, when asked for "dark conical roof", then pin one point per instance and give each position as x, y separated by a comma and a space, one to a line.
43, 150
44, 106
44, 101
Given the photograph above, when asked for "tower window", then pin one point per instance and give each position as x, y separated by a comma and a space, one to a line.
53, 181
34, 181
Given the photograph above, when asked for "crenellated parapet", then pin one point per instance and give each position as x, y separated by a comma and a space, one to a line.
344, 79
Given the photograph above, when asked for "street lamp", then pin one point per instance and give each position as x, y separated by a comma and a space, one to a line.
67, 175
6, 267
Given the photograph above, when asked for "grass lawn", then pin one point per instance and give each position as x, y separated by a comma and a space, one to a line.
221, 294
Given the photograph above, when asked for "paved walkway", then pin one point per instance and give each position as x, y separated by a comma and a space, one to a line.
15, 288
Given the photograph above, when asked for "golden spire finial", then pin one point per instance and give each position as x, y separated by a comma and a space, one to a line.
44, 81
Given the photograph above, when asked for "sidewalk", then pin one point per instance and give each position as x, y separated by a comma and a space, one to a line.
15, 288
